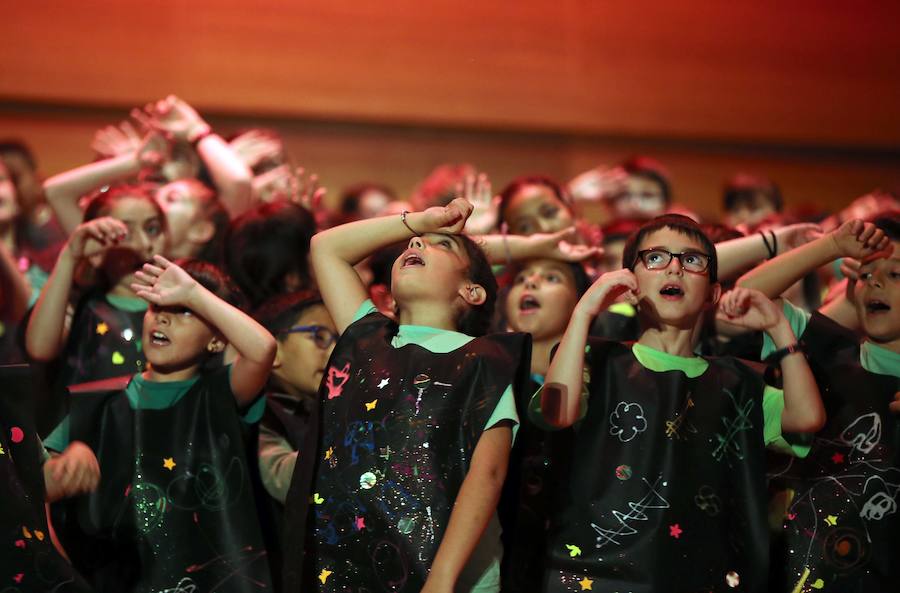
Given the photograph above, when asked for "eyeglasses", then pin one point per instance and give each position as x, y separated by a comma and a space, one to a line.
659, 259
321, 335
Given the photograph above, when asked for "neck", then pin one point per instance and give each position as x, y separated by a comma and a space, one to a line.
540, 354
123, 290
161, 375
671, 340
427, 314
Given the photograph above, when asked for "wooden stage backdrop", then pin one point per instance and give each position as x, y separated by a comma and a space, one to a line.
806, 92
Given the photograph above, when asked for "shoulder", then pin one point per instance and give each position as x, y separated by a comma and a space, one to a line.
824, 338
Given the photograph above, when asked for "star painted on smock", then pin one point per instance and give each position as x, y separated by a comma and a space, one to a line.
837, 458
831, 520
169, 463
371, 405
383, 383
102, 328
323, 576
675, 531
586, 584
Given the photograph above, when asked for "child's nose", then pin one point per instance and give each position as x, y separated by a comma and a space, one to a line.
532, 281
416, 243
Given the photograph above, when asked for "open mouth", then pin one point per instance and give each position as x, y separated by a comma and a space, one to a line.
528, 304
876, 306
158, 338
671, 291
412, 259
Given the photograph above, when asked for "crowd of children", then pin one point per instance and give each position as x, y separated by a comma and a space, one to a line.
215, 382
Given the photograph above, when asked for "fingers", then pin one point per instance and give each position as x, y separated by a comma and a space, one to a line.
895, 405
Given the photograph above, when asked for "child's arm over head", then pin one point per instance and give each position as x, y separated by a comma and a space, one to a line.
561, 245
63, 191
46, 334
166, 284
854, 238
738, 255
474, 506
335, 251
803, 409
563, 384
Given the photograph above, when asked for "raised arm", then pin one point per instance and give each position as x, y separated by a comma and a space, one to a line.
561, 397
501, 249
46, 333
852, 239
64, 190
335, 251
164, 283
803, 409
739, 255
231, 176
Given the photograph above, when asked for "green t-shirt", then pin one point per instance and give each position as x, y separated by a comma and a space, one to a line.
694, 366
150, 395
872, 357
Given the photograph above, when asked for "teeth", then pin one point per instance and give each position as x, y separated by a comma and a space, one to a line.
671, 290
877, 306
529, 302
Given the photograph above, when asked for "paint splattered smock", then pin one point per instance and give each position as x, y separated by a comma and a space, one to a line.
667, 486
841, 526
399, 427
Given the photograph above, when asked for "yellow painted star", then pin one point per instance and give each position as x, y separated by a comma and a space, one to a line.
169, 463
323, 576
586, 584
831, 520
329, 452
371, 405
573, 550
102, 328
39, 534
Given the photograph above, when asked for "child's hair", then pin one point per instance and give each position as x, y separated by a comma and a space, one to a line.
680, 224
718, 232
101, 202
266, 244
743, 189
651, 169
351, 196
476, 321
214, 280
280, 312
620, 229
519, 182
889, 223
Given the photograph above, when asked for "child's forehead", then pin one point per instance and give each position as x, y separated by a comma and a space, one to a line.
671, 239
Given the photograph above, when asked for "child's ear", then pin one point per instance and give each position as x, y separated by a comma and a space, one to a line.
473, 294
201, 232
216, 345
715, 293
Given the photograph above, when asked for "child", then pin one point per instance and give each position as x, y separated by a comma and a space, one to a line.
305, 335
124, 228
175, 508
667, 488
540, 302
417, 417
841, 527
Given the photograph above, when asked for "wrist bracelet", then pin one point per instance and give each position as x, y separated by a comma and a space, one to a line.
195, 140
406, 224
774, 244
776, 356
770, 248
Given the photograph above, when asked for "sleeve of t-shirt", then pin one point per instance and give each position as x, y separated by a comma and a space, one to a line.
367, 307
276, 463
252, 413
505, 410
797, 317
59, 438
773, 408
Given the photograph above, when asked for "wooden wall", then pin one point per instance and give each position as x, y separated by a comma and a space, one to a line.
804, 92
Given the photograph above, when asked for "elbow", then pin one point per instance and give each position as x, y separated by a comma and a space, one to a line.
807, 423
39, 350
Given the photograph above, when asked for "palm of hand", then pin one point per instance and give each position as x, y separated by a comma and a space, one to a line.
172, 287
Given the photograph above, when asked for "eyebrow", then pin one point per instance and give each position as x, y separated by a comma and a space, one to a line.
669, 249
455, 239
